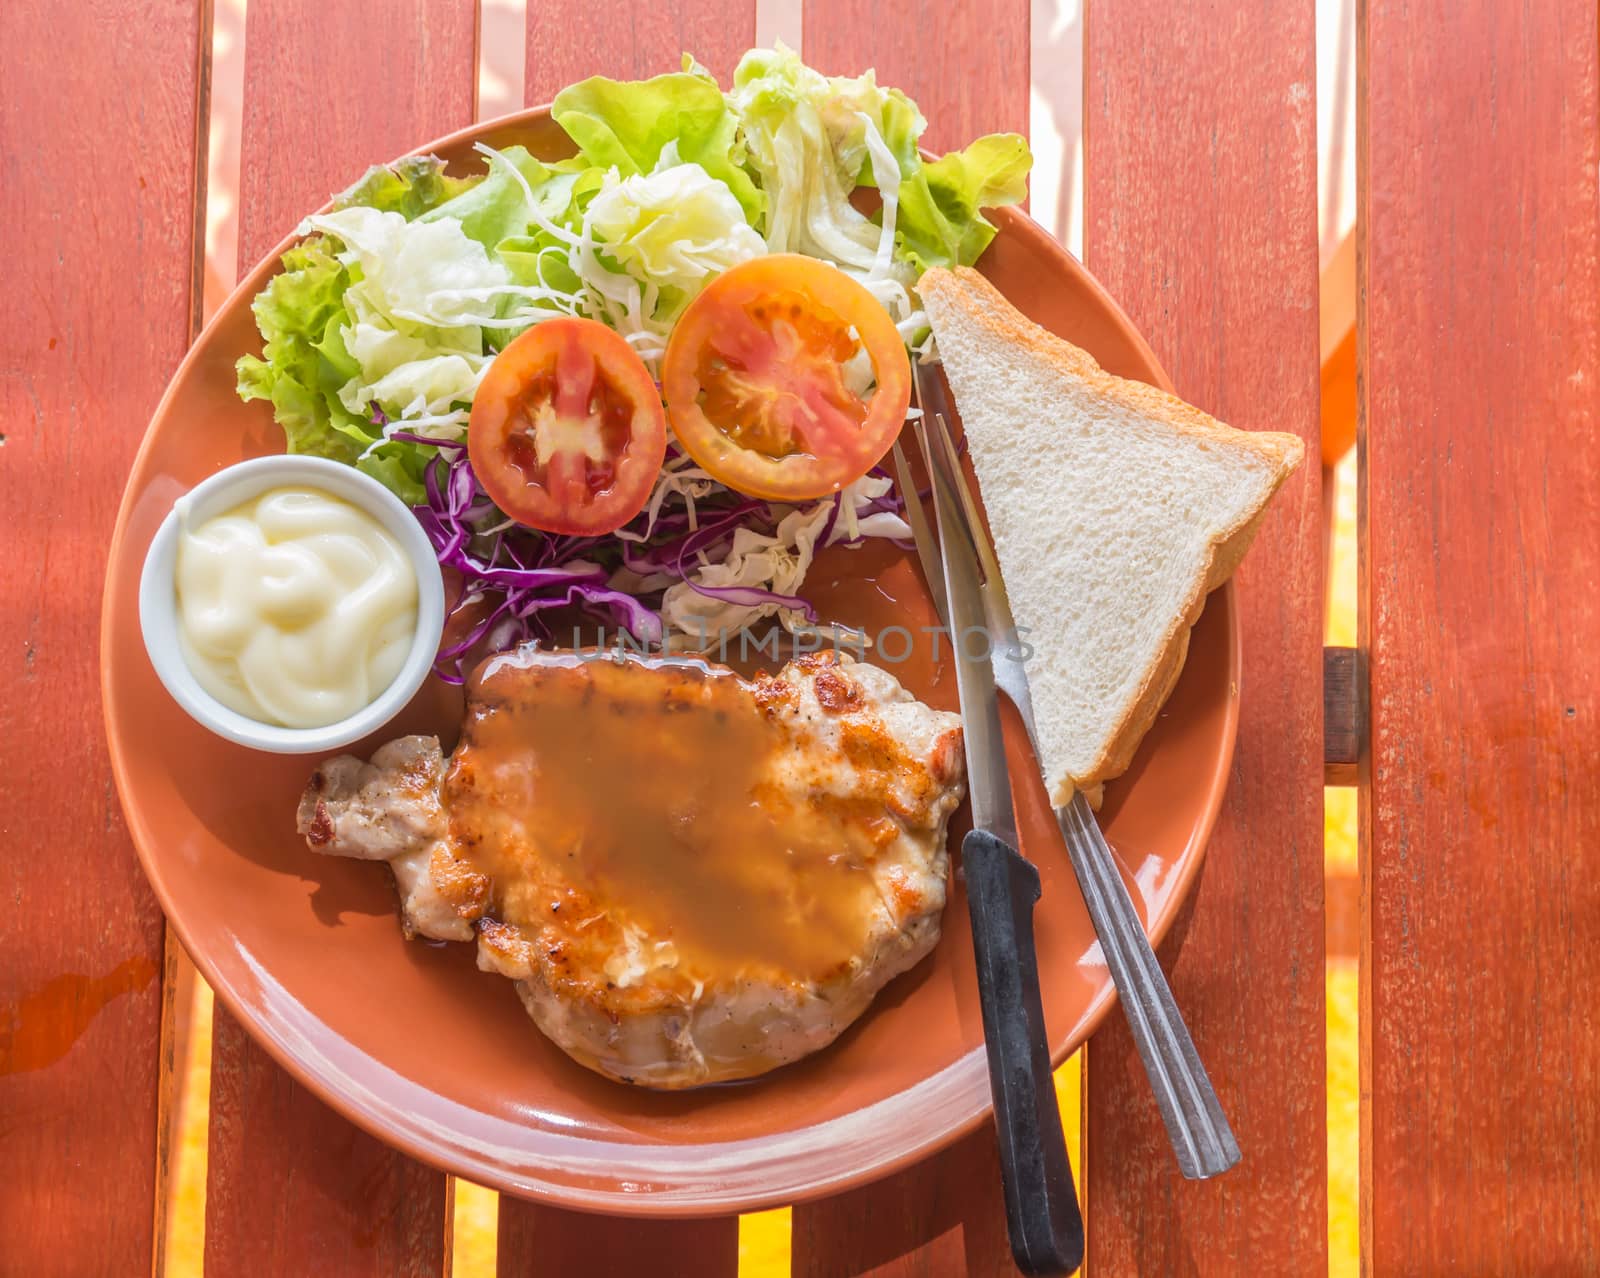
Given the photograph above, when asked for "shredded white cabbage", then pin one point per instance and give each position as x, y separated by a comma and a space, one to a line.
679, 477
613, 297
675, 227
420, 348
777, 562
807, 137
669, 231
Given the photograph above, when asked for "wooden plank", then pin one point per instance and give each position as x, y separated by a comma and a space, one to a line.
293, 1188
943, 1216
103, 286
1480, 533
1200, 217
1343, 715
332, 88
537, 1242
627, 40
177, 1000
329, 90
966, 67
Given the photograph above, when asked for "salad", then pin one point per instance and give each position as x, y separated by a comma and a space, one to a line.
647, 382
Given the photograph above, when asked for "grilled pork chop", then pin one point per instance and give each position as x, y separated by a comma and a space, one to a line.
691, 877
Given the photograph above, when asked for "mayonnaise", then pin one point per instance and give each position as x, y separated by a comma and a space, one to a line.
294, 608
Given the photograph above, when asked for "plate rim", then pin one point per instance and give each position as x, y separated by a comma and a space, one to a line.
325, 1081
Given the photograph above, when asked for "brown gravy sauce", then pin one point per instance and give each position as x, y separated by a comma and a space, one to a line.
649, 787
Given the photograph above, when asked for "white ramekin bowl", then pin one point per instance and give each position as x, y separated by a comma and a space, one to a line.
158, 600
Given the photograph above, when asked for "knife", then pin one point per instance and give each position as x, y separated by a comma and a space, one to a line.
1042, 1214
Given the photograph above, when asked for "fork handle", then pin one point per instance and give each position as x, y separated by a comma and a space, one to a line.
1199, 1131
1042, 1214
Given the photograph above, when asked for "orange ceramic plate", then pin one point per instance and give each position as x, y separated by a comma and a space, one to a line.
418, 1046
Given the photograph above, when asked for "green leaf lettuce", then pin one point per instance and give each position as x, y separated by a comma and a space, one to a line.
627, 125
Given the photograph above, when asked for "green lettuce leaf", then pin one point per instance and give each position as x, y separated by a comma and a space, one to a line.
810, 139
303, 361
627, 125
497, 207
901, 124
409, 187
805, 140
940, 222
372, 314
399, 467
530, 265
533, 256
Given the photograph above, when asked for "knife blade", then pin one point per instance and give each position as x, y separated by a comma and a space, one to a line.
1043, 1219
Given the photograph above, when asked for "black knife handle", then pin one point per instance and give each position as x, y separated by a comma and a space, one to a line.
1042, 1215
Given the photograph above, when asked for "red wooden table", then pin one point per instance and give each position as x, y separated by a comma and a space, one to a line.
1479, 370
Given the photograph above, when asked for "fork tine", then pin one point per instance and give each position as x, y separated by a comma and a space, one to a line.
932, 457
930, 388
987, 562
921, 533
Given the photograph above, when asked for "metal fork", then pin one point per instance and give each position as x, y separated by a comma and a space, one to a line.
1201, 1138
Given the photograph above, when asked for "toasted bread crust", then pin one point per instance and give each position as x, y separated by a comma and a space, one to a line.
983, 305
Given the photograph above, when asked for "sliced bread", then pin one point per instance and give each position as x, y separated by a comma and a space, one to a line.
1115, 509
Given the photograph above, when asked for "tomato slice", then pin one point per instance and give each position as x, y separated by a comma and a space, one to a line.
567, 431
764, 382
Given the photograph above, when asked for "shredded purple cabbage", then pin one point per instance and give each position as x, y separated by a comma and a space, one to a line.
754, 597
526, 574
